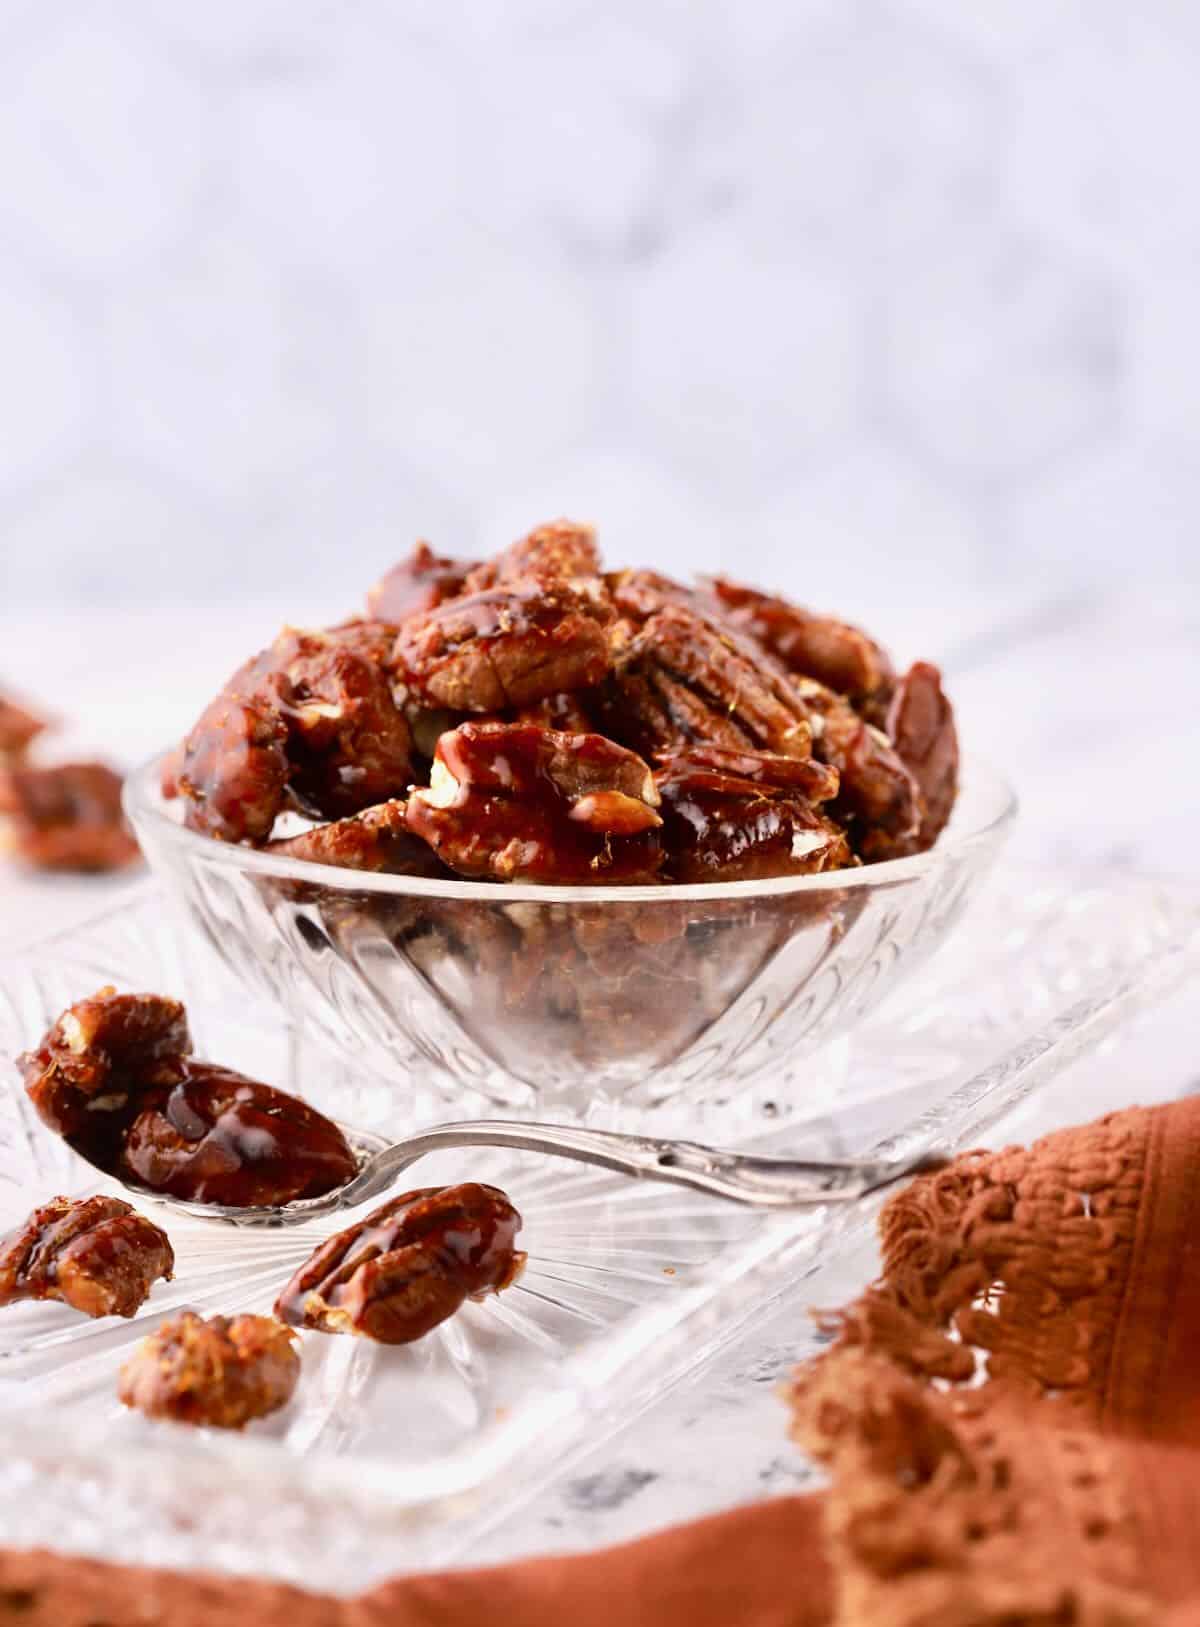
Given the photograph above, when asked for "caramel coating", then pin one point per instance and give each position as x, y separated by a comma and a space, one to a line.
218, 1137
420, 582
67, 817
503, 647
97, 1255
517, 802
221, 1371
114, 1076
744, 816
408, 1266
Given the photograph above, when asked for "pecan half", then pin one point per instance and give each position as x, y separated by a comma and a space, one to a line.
221, 1371
504, 647
67, 817
409, 1265
921, 724
420, 582
683, 679
512, 802
97, 1255
878, 800
821, 647
313, 716
744, 816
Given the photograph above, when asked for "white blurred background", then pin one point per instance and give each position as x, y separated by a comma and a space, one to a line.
891, 304
880, 302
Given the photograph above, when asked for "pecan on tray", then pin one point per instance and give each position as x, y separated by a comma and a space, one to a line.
409, 1265
97, 1255
223, 1371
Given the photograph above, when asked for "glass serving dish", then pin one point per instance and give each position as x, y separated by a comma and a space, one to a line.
565, 1001
398, 1459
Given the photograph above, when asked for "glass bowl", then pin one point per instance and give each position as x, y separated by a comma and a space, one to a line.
572, 1001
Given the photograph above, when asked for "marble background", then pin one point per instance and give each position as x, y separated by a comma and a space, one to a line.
889, 303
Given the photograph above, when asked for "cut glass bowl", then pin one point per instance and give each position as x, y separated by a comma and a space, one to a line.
568, 1001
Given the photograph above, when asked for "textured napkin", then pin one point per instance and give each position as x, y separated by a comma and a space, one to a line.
1010, 1417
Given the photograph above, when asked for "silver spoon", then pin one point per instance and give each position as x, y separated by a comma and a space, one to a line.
749, 1178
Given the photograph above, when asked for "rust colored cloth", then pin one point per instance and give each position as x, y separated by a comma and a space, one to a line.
1010, 1417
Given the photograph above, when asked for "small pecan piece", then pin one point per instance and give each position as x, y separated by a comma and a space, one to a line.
67, 817
420, 582
744, 816
97, 1255
221, 1371
409, 1265
511, 802
504, 647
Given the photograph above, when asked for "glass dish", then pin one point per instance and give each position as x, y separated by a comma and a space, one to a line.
470, 996
398, 1459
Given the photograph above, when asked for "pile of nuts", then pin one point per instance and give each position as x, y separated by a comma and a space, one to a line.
533, 718
115, 1076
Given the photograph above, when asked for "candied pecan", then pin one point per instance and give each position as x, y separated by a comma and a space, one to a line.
314, 716
921, 725
218, 1137
514, 802
18, 729
421, 581
743, 816
232, 770
221, 1371
683, 678
378, 839
504, 647
821, 647
67, 817
878, 801
114, 1077
97, 1255
560, 551
97, 1053
409, 1265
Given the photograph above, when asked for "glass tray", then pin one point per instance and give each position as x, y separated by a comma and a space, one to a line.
397, 1459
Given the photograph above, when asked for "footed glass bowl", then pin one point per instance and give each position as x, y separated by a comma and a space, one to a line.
569, 1000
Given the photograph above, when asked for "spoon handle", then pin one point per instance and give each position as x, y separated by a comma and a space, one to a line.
748, 1178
